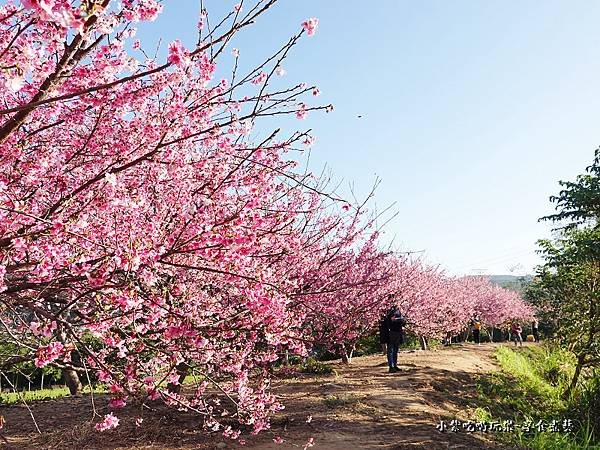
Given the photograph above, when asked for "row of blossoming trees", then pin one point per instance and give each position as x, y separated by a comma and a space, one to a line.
147, 233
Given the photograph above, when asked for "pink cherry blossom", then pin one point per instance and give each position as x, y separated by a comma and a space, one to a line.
178, 55
301, 113
110, 421
309, 141
117, 403
260, 78
310, 25
48, 354
2, 273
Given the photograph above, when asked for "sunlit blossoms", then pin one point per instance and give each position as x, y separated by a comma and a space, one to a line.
178, 54
139, 223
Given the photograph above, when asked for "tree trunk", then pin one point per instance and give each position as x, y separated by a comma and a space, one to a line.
71, 376
578, 367
72, 381
423, 342
182, 370
346, 356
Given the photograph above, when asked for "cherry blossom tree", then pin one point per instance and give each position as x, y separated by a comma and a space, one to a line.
435, 304
137, 213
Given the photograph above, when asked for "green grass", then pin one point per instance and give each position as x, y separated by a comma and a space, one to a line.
315, 367
14, 398
529, 388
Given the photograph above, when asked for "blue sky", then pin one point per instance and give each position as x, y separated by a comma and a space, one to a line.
471, 111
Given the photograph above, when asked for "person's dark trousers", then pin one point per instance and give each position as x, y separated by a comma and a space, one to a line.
476, 336
392, 353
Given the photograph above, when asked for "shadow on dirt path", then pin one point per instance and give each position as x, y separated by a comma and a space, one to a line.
362, 406
366, 407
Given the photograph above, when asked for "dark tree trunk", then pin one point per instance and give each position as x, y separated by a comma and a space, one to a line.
578, 367
182, 370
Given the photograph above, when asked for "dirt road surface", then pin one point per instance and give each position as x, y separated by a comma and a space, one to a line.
361, 406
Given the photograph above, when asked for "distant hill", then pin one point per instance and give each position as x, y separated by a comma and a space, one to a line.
499, 279
513, 282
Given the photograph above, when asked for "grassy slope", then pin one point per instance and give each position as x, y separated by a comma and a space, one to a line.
528, 388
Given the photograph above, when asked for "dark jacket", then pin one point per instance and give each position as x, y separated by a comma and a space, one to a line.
384, 332
392, 323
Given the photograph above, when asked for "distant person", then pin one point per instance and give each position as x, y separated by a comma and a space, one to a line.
477, 331
534, 330
448, 338
394, 323
516, 331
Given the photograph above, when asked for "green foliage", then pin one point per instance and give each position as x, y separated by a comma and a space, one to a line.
24, 373
579, 202
555, 441
588, 407
528, 388
555, 366
567, 288
368, 345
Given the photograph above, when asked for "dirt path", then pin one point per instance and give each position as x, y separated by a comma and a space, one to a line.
361, 407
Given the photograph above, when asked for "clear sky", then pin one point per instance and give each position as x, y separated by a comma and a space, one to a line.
471, 110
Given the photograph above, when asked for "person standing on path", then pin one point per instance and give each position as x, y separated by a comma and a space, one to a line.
448, 339
516, 331
534, 330
477, 331
394, 324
